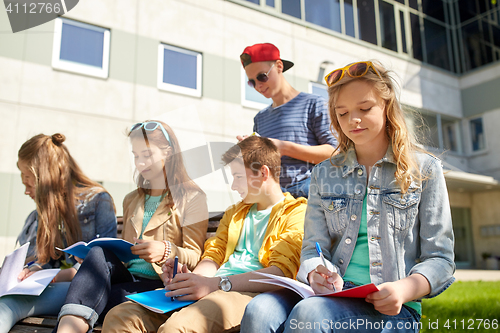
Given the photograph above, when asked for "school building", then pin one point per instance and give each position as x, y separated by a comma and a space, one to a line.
105, 65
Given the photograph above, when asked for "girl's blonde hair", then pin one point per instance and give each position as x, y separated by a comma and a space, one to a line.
174, 171
404, 142
58, 183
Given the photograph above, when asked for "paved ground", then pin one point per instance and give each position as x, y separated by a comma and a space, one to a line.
477, 274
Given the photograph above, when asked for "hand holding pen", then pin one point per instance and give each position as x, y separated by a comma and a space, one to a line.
323, 280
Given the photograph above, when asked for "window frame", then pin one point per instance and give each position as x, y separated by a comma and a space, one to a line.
480, 151
173, 87
75, 67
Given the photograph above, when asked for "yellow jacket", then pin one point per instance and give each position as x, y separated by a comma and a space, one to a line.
282, 242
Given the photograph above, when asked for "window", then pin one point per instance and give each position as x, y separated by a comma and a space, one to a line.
81, 48
349, 18
318, 89
451, 134
325, 13
416, 37
367, 26
388, 26
179, 70
291, 7
477, 134
250, 97
436, 44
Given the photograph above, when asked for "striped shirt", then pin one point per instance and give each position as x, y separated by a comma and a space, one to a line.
303, 120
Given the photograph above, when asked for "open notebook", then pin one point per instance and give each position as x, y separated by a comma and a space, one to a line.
13, 265
306, 291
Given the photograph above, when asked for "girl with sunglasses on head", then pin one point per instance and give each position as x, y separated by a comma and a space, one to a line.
166, 216
70, 207
380, 212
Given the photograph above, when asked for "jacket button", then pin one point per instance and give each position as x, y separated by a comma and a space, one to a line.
402, 201
360, 172
358, 191
330, 207
348, 241
341, 261
353, 217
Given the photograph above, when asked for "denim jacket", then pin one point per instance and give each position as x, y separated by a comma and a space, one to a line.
97, 218
407, 233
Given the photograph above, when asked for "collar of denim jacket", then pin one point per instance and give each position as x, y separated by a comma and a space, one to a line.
351, 162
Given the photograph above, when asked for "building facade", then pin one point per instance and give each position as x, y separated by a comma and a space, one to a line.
105, 65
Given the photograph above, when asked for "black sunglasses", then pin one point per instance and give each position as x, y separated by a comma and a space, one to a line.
262, 77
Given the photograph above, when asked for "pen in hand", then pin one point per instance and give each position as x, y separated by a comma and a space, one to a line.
176, 263
320, 253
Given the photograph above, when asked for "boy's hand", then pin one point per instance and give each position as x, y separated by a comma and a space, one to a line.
151, 251
322, 280
191, 286
388, 300
168, 270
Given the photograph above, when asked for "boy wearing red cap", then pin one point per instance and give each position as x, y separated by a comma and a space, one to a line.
297, 122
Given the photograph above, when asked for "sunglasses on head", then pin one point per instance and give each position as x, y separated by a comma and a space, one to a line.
151, 126
354, 70
262, 77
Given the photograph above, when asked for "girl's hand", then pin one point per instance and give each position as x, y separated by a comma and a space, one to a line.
388, 300
78, 260
25, 273
64, 275
151, 251
168, 270
322, 280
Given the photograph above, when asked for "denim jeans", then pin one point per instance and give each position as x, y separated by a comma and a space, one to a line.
290, 313
16, 307
101, 283
299, 189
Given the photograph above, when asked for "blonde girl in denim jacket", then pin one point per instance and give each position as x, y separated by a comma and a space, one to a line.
379, 209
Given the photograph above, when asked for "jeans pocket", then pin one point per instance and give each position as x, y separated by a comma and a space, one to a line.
335, 209
401, 209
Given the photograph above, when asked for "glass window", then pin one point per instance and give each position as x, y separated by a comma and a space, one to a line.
366, 21
436, 42
257, 2
179, 70
388, 26
270, 3
325, 13
429, 133
476, 51
349, 18
403, 31
291, 7
401, 1
467, 9
451, 134
416, 37
477, 134
433, 8
318, 89
413, 4
80, 48
250, 97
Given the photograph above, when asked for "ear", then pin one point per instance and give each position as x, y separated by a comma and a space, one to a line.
265, 172
279, 66
167, 152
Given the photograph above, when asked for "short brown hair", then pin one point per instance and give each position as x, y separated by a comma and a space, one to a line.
256, 152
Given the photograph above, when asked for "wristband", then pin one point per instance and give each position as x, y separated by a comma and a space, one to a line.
168, 250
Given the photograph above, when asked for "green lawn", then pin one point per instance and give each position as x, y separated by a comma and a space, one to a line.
472, 306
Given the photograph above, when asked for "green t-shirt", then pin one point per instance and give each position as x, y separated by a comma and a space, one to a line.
358, 270
140, 267
245, 257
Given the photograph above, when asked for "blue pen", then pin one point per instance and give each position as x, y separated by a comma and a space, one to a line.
320, 253
28, 265
176, 263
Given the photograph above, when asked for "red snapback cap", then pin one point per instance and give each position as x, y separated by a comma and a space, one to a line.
263, 52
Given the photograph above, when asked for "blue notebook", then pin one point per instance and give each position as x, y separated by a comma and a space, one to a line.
156, 301
119, 246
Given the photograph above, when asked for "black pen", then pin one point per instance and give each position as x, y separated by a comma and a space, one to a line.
176, 263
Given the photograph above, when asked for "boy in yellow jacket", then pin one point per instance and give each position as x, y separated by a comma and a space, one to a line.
261, 233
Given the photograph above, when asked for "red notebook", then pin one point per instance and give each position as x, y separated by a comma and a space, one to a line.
306, 291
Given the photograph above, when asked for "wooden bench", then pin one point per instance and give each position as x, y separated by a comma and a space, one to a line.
45, 324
